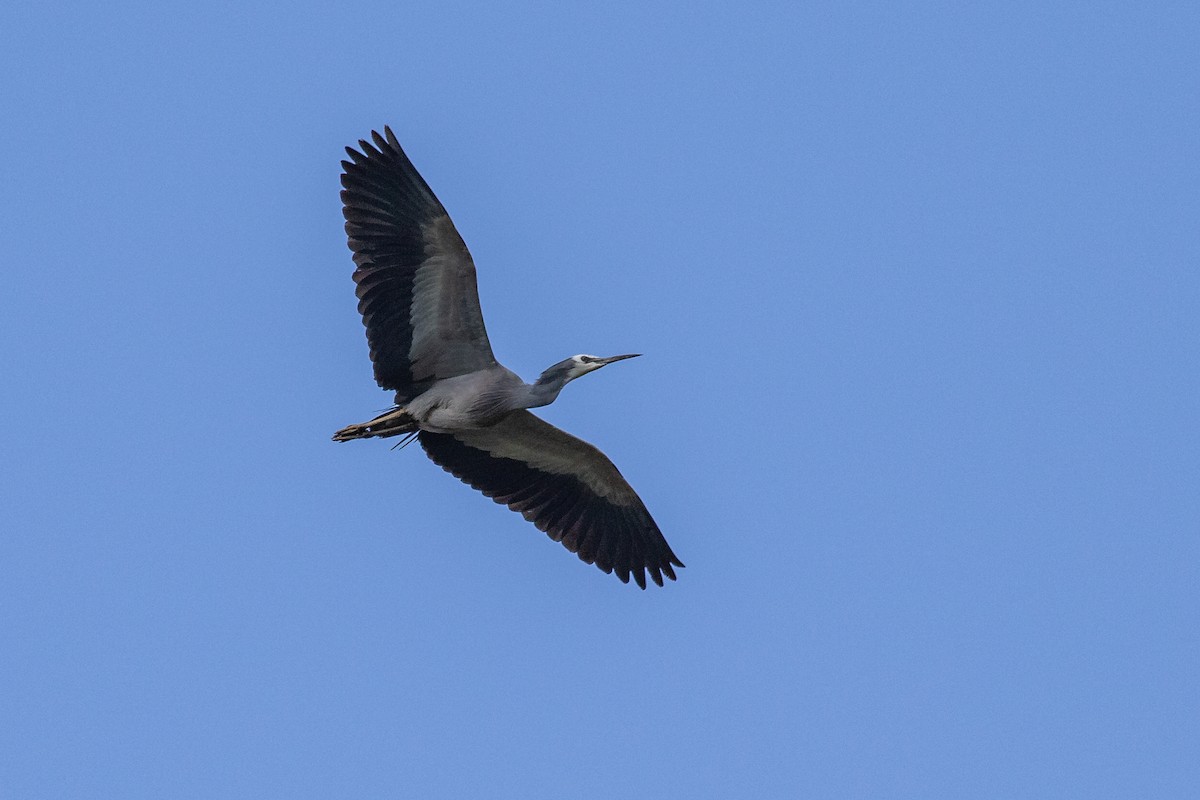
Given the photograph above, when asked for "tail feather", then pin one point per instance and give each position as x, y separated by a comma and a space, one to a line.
393, 423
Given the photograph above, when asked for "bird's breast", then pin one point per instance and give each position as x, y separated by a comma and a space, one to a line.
457, 411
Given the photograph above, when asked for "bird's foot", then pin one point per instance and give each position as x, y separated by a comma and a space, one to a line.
359, 431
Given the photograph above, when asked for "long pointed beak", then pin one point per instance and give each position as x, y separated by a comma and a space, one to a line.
611, 359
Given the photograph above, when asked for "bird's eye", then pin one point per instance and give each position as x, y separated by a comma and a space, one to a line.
586, 359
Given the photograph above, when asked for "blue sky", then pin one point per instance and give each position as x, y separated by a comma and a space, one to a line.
918, 288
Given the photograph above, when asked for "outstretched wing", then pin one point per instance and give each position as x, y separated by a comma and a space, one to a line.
564, 486
416, 280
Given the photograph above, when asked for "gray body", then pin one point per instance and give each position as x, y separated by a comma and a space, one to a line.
475, 400
420, 305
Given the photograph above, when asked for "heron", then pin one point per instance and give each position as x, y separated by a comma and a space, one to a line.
417, 294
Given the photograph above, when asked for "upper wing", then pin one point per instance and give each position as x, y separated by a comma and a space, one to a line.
564, 486
416, 280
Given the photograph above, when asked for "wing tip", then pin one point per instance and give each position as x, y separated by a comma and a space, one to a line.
383, 145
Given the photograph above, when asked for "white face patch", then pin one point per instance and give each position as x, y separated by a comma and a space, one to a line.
583, 364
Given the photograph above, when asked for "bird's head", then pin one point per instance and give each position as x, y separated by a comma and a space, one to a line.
571, 368
583, 364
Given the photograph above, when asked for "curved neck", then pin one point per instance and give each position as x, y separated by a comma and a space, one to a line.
545, 389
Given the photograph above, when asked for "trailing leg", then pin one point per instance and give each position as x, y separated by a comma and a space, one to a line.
393, 423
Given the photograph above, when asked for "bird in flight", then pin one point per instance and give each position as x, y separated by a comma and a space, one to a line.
419, 302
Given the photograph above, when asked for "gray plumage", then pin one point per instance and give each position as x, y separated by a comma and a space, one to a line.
420, 305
